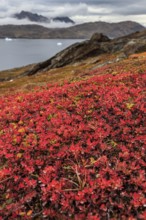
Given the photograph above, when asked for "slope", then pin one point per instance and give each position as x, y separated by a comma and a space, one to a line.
76, 150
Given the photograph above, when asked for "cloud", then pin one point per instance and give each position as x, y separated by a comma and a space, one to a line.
78, 10
14, 21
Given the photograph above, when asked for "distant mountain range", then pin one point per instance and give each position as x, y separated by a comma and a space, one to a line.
63, 19
31, 17
82, 31
34, 17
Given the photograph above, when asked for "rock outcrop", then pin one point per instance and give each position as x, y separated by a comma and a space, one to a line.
99, 37
97, 45
75, 53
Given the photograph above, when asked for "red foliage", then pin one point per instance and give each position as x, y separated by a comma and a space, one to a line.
75, 151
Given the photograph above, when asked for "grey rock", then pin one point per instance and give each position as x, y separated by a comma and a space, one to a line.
97, 45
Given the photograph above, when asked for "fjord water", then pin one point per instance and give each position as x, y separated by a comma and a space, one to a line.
21, 52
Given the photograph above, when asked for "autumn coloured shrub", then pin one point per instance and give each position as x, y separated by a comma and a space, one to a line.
75, 151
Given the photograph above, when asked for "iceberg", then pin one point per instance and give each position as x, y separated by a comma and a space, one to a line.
8, 39
59, 43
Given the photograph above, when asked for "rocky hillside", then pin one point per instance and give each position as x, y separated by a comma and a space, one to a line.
98, 44
82, 31
24, 31
75, 149
77, 60
112, 30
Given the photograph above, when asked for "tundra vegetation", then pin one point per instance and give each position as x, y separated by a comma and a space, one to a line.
76, 149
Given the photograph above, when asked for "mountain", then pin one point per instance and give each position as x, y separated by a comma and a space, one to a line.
31, 16
63, 19
39, 18
24, 31
82, 31
111, 30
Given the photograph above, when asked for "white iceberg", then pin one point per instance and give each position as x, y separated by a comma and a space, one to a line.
8, 39
59, 43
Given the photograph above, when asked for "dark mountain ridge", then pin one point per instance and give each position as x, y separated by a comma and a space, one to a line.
34, 17
31, 16
63, 19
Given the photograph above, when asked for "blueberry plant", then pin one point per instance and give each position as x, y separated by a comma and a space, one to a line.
75, 151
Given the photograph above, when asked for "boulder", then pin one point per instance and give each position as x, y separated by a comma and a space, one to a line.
99, 37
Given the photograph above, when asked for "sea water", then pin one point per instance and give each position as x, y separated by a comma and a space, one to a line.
20, 52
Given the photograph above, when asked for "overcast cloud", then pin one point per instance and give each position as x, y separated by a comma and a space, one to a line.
78, 10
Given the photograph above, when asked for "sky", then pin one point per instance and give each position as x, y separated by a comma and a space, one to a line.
80, 11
